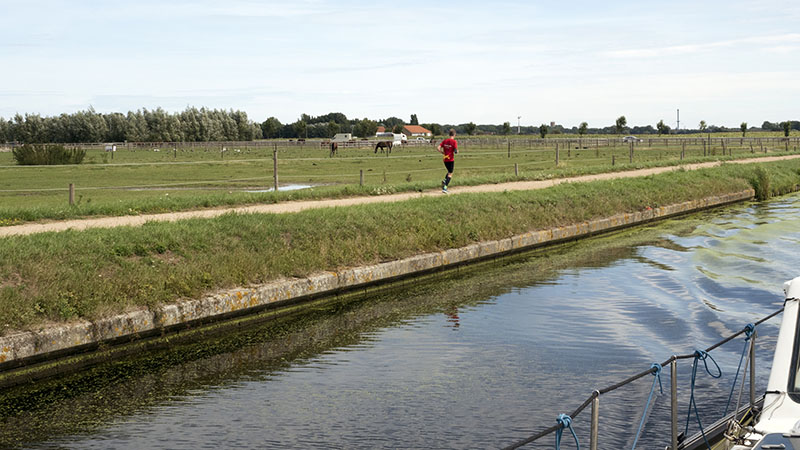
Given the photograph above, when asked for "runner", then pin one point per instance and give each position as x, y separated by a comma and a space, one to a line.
448, 148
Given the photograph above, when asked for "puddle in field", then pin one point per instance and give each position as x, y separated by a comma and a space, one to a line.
288, 187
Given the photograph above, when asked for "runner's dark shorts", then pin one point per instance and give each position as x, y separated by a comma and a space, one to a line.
449, 165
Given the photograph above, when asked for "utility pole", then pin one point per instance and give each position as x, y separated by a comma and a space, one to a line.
518, 117
678, 127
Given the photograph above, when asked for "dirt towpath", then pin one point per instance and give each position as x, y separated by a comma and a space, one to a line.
289, 207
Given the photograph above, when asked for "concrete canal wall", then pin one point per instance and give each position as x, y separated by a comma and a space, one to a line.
27, 348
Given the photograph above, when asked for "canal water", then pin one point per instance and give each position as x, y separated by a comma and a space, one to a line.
480, 357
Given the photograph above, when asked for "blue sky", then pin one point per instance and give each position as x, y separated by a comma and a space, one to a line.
724, 62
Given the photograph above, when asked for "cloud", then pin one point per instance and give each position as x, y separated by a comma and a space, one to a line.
787, 38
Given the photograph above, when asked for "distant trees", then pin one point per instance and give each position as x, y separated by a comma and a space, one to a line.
414, 120
143, 125
702, 126
787, 126
300, 127
435, 128
620, 124
743, 127
662, 128
470, 128
582, 128
271, 128
543, 129
366, 127
506, 128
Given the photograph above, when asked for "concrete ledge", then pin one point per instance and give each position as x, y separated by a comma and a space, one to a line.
22, 348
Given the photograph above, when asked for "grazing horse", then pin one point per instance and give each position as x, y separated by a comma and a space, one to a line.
384, 145
334, 148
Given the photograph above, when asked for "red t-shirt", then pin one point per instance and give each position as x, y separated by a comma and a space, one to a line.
449, 146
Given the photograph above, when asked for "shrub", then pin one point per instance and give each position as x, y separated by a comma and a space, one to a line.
760, 183
47, 154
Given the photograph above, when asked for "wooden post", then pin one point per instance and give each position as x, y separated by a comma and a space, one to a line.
71, 194
361, 177
384, 176
509, 149
516, 170
704, 148
275, 166
556, 154
612, 160
630, 155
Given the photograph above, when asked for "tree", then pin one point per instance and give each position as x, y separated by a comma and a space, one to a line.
582, 128
271, 128
435, 128
365, 127
4, 131
470, 128
620, 124
787, 126
397, 128
743, 127
300, 128
703, 125
414, 120
662, 128
333, 128
543, 129
506, 128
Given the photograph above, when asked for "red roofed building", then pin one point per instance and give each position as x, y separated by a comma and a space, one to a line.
381, 129
416, 130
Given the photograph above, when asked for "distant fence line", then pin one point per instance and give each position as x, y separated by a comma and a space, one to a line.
464, 141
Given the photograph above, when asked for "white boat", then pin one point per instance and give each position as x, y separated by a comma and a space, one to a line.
777, 424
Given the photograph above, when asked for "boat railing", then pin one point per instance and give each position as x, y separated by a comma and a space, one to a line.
565, 421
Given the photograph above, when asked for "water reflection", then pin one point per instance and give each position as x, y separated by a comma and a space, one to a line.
480, 357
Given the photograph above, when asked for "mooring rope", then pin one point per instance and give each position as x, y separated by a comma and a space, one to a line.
565, 421
748, 330
699, 355
656, 377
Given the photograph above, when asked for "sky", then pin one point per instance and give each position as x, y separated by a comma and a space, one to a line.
449, 62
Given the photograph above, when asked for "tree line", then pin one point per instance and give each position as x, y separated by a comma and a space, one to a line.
203, 125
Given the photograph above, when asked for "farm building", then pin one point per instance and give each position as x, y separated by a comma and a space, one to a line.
416, 130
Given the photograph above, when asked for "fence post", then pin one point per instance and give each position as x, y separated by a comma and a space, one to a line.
673, 381
509, 149
556, 153
275, 166
516, 170
71, 194
613, 160
361, 177
630, 156
595, 421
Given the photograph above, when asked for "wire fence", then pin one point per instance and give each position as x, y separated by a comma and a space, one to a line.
520, 152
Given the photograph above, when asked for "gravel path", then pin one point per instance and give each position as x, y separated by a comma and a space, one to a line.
289, 207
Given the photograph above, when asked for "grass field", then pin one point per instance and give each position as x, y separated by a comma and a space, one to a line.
141, 180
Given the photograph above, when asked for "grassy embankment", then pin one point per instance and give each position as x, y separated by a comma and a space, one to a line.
54, 277
144, 181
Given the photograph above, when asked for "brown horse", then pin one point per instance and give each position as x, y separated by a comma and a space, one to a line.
387, 145
334, 148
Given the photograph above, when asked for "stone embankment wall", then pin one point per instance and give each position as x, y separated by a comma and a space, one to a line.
29, 347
